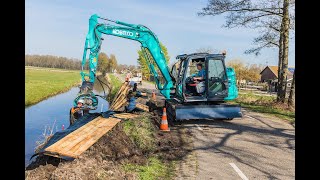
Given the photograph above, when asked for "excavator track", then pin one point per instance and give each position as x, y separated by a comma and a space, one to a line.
190, 111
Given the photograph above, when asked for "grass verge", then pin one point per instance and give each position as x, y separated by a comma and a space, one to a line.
142, 132
266, 104
44, 83
154, 169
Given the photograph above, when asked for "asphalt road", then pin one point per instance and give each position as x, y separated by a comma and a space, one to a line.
254, 147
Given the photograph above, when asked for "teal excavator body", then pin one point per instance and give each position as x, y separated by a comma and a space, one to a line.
172, 88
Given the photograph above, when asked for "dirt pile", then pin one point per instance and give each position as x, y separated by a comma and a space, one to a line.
170, 145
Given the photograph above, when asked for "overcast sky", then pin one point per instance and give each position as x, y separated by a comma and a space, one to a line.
59, 27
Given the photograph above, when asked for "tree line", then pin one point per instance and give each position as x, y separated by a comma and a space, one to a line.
107, 64
249, 72
50, 61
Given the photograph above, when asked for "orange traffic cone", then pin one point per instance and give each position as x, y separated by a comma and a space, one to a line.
164, 121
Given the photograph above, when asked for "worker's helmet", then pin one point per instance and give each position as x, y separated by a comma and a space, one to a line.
81, 101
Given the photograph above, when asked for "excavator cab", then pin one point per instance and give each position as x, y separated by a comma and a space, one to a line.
213, 86
205, 98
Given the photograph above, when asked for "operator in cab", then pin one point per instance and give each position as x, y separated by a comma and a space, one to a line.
200, 76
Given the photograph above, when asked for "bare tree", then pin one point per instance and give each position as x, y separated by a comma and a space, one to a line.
270, 16
243, 13
292, 91
285, 53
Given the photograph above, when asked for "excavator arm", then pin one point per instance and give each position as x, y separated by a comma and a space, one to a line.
148, 40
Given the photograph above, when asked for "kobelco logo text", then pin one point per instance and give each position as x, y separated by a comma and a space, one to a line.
121, 32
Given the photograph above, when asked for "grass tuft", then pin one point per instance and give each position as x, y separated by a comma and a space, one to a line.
154, 169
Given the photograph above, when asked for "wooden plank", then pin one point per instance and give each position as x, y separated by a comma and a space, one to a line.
142, 106
81, 139
90, 137
102, 130
126, 115
81, 147
77, 150
85, 135
84, 138
121, 103
73, 138
120, 99
120, 92
125, 84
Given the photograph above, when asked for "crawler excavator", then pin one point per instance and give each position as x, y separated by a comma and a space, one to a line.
177, 86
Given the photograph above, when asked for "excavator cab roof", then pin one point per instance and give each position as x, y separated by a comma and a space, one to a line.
199, 56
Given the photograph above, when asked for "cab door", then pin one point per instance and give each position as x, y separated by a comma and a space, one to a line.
217, 81
178, 72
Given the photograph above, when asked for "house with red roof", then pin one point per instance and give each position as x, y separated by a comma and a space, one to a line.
270, 75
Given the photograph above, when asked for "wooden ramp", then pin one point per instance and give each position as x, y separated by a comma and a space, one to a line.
81, 139
142, 106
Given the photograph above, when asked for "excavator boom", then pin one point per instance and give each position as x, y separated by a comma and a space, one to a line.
148, 40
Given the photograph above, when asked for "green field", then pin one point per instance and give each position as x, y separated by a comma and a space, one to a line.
42, 83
